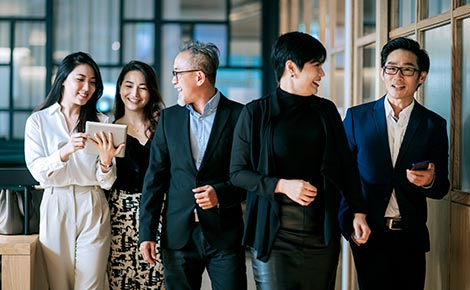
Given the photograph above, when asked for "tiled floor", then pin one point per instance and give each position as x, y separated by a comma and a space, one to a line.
206, 284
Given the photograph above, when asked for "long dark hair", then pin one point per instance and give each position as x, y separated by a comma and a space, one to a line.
88, 112
155, 103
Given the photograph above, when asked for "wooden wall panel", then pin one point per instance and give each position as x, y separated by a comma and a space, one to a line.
460, 246
437, 260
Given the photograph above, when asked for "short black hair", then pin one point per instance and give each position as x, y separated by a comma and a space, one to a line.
409, 45
299, 47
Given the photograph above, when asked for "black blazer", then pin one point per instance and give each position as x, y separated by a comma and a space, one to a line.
172, 175
425, 139
252, 169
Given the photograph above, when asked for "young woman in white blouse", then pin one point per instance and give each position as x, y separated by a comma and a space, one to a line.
74, 223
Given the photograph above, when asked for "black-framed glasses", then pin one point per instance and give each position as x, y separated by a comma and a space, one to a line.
406, 71
176, 72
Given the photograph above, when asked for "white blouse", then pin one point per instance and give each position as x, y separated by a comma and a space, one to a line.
45, 133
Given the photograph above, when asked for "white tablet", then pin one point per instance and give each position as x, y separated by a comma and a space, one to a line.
119, 132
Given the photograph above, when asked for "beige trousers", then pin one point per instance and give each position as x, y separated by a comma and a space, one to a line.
75, 234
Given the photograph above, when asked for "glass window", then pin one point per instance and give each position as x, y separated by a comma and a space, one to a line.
4, 42
245, 37
4, 126
138, 42
139, 9
368, 17
435, 7
29, 64
241, 85
402, 12
340, 35
368, 73
19, 121
84, 22
195, 10
106, 102
337, 89
465, 129
27, 8
217, 34
175, 35
437, 87
4, 87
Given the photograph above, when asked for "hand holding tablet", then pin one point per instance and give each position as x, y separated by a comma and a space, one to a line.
119, 132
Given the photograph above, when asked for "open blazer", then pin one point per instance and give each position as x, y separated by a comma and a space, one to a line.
172, 172
252, 166
425, 139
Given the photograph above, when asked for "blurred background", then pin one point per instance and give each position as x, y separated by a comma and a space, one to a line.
36, 34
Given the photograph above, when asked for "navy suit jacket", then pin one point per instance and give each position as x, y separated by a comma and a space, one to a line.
172, 175
425, 139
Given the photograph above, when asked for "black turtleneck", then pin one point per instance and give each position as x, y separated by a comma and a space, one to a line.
298, 146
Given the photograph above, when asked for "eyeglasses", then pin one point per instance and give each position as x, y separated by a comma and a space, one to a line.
176, 72
406, 71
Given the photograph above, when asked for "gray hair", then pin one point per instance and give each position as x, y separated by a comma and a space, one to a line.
205, 56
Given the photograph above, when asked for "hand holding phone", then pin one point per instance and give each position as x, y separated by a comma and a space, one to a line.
423, 165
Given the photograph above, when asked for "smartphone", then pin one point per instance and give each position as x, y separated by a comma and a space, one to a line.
423, 165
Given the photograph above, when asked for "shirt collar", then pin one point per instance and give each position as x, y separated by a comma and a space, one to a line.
209, 108
404, 114
54, 108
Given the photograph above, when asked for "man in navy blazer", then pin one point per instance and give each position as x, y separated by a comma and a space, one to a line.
187, 183
387, 136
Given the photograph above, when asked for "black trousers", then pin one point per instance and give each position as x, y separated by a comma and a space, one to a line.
390, 264
183, 268
296, 268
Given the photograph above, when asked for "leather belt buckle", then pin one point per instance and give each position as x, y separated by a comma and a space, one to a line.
393, 224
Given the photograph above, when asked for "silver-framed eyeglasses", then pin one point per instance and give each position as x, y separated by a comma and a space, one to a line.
406, 71
175, 73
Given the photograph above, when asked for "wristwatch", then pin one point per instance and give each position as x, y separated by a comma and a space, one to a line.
106, 167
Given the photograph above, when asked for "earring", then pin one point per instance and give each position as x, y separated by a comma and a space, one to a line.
292, 75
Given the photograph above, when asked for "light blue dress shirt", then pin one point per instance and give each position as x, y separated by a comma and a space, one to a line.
200, 126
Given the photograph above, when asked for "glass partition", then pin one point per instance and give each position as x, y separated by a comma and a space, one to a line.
402, 12
139, 42
368, 17
84, 22
141, 9
437, 87
4, 126
337, 93
435, 7
23, 8
194, 10
368, 73
29, 65
340, 28
241, 85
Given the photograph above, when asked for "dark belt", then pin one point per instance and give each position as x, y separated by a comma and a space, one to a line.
394, 224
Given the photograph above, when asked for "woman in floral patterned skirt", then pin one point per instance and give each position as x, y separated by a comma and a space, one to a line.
137, 104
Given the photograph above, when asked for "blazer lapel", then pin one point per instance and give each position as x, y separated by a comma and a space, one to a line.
183, 129
411, 130
221, 117
381, 127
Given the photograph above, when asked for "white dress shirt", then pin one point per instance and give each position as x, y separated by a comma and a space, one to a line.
396, 128
45, 133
